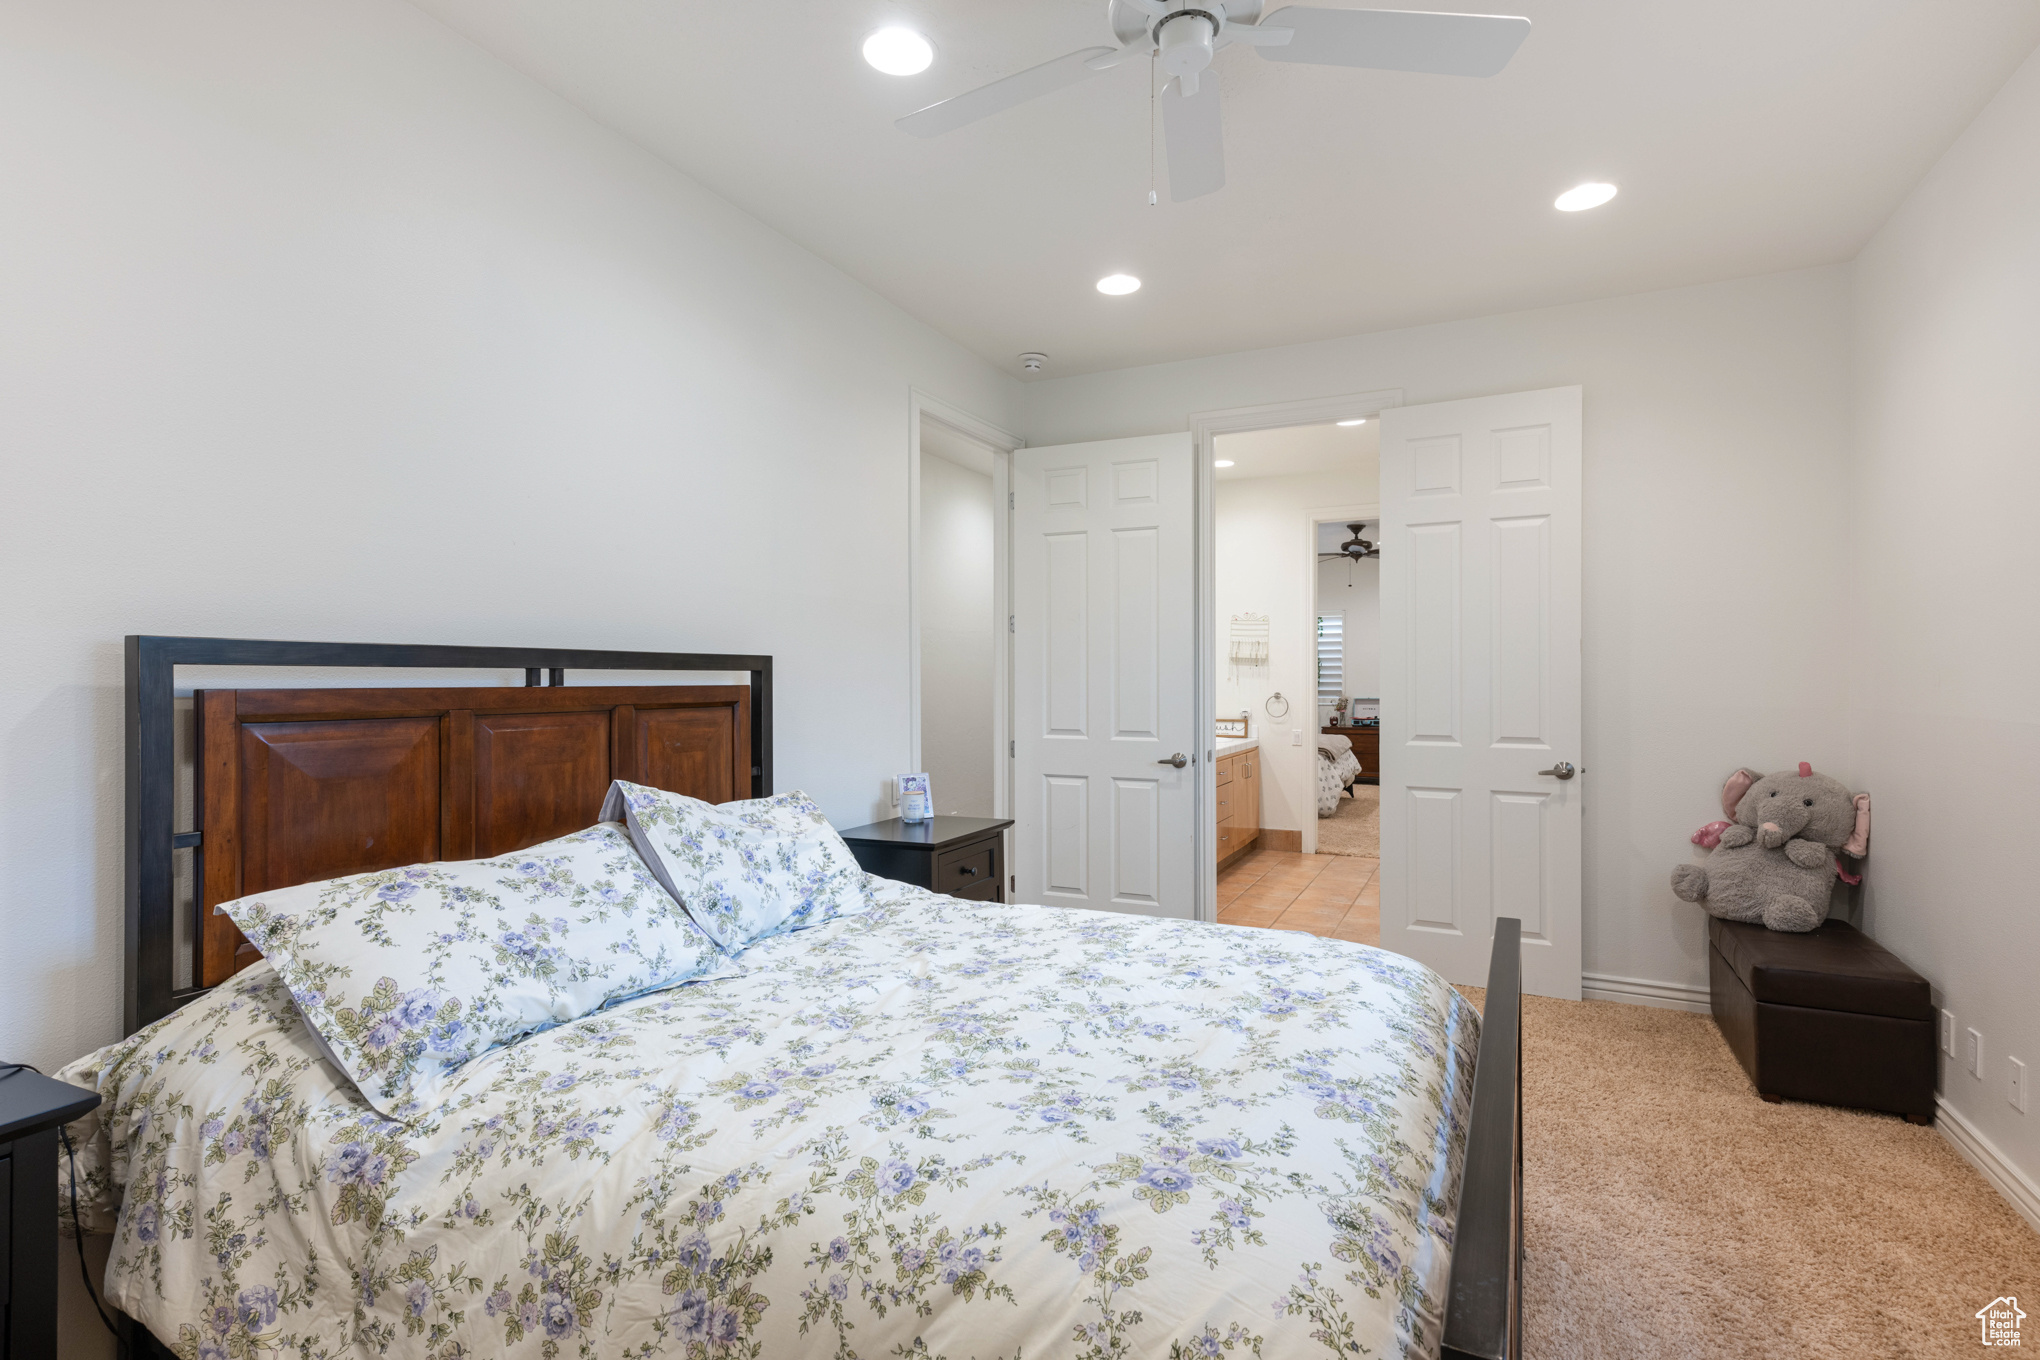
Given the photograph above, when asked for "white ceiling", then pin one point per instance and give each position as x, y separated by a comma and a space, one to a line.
1298, 449
1747, 136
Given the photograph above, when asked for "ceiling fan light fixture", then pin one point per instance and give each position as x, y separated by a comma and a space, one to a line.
1354, 549
1584, 196
899, 52
1118, 285
1186, 48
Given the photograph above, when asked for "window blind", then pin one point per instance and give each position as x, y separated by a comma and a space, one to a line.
1331, 658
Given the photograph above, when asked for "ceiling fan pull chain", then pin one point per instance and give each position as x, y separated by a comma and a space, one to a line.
1152, 200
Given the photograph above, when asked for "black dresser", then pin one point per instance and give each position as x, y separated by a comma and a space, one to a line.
961, 856
31, 1108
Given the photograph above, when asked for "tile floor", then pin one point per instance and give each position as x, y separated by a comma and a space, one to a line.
1319, 894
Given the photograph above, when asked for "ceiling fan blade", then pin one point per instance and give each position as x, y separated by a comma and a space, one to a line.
1398, 40
1195, 134
1001, 95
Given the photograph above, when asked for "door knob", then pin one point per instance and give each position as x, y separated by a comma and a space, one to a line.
1179, 760
1562, 770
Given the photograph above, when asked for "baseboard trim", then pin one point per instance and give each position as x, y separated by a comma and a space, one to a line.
1272, 839
2018, 1190
1671, 996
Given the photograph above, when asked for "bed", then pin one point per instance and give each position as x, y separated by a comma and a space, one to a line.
932, 1127
1337, 768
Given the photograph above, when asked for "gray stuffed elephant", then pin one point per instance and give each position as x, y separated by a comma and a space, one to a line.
1776, 862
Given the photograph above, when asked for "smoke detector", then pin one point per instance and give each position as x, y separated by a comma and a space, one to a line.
1032, 361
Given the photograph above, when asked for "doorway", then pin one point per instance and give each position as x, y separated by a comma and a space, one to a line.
1278, 654
1346, 633
959, 605
1115, 594
959, 663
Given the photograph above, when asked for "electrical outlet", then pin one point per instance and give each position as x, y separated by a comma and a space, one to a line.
2018, 1095
1948, 1033
1975, 1054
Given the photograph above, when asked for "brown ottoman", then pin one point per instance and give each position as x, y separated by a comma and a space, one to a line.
1829, 1016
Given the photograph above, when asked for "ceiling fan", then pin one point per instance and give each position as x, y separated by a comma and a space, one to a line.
1354, 548
1184, 35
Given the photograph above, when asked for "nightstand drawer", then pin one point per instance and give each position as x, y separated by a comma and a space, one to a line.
956, 870
988, 891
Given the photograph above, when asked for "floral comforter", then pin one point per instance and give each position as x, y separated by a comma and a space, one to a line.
938, 1128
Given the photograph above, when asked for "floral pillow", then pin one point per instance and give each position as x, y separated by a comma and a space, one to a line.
408, 973
748, 869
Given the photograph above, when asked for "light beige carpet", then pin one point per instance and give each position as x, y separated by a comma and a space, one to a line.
1355, 829
1670, 1212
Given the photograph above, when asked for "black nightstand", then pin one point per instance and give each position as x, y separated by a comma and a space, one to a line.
31, 1108
961, 856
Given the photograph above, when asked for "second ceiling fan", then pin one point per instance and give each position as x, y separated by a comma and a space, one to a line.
1184, 37
1353, 549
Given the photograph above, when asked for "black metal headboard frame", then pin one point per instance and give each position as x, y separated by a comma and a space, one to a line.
152, 835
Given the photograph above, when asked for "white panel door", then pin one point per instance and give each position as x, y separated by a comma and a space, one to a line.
1480, 683
1104, 656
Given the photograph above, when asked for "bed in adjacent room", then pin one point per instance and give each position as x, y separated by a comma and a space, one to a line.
1337, 768
906, 1125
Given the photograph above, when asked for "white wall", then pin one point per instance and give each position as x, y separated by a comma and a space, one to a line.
1944, 649
1263, 563
1716, 541
1353, 589
956, 635
322, 323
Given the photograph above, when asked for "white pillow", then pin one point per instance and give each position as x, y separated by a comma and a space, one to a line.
408, 973
758, 867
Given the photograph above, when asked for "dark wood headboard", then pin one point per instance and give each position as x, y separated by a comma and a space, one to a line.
296, 785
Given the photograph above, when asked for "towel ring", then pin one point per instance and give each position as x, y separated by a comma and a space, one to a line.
1274, 699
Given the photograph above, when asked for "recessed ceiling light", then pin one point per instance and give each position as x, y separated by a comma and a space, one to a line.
1361, 421
1221, 462
1583, 197
1119, 285
898, 51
